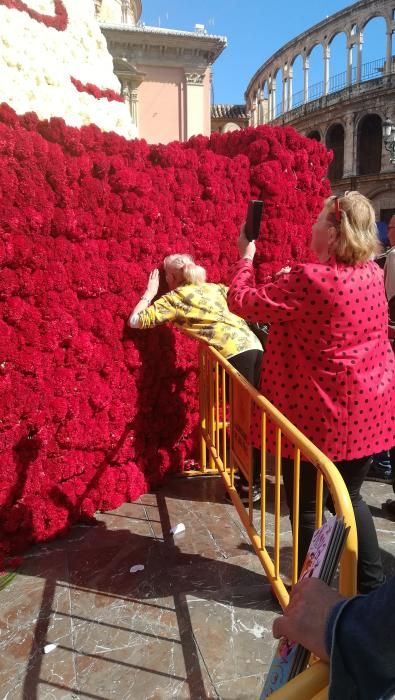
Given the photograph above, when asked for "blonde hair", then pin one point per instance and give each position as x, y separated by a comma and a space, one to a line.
354, 219
185, 266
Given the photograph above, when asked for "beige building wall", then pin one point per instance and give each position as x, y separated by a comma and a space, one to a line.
161, 104
173, 105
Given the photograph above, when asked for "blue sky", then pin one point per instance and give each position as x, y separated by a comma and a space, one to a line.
255, 29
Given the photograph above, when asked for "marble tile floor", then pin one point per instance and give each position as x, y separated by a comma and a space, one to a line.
194, 624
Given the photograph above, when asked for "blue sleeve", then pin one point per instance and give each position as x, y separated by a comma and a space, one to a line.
360, 640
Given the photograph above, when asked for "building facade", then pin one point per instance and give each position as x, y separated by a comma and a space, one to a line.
344, 110
165, 74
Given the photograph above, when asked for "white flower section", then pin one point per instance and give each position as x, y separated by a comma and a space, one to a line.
36, 63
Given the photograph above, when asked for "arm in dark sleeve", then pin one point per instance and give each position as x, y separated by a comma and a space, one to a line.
281, 300
360, 640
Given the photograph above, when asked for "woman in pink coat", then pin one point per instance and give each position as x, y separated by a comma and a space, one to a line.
328, 365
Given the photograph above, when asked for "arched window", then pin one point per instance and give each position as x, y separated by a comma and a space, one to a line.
314, 135
369, 145
316, 72
352, 55
263, 116
296, 94
337, 62
373, 57
230, 126
335, 142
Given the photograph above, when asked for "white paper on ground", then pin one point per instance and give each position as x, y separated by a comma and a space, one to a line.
177, 529
136, 567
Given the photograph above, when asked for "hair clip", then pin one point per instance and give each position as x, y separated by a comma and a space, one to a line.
338, 211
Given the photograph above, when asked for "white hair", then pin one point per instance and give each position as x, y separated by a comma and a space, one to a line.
184, 264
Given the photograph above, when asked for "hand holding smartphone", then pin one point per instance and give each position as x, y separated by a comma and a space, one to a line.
253, 222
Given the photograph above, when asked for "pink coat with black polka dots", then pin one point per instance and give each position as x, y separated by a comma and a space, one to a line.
328, 365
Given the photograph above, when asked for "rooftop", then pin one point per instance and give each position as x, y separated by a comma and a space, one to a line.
144, 36
229, 112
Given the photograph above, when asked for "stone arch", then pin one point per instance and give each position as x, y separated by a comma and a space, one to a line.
334, 140
369, 144
368, 18
230, 126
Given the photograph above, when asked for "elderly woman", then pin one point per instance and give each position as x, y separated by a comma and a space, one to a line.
199, 309
328, 363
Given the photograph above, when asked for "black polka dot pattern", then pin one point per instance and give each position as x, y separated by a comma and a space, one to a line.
328, 365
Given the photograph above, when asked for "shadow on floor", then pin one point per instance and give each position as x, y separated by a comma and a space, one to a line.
98, 562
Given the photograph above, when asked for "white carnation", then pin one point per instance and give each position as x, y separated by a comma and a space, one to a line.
37, 62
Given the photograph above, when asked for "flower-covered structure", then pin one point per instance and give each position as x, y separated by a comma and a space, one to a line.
54, 61
91, 414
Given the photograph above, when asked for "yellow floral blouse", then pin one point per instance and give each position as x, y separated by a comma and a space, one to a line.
201, 311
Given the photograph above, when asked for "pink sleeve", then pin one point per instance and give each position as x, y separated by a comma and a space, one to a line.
279, 301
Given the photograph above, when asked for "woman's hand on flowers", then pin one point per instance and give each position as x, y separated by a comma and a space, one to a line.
246, 248
153, 284
144, 301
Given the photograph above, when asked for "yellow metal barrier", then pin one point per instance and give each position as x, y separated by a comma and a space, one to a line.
312, 684
226, 401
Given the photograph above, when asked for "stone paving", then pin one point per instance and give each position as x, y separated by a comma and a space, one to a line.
195, 623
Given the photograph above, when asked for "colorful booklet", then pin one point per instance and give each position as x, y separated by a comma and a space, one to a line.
321, 562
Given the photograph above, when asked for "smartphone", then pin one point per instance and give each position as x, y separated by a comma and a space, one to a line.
253, 222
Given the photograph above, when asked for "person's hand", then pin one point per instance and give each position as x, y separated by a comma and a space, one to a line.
304, 620
246, 248
153, 284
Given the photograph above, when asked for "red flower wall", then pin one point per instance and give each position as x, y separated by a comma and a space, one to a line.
93, 415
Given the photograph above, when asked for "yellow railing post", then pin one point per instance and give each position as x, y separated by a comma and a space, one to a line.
295, 522
224, 424
263, 480
313, 682
203, 411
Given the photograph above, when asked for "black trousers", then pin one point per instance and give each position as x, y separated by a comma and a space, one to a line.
249, 364
370, 570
